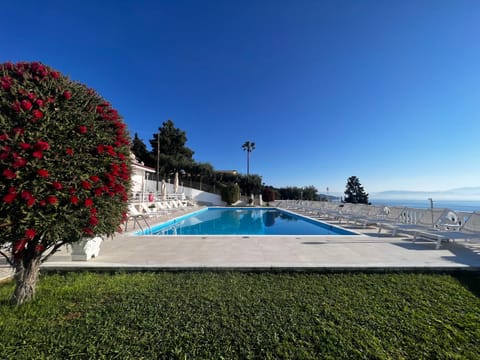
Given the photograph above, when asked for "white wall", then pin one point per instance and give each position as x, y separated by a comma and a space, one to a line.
137, 181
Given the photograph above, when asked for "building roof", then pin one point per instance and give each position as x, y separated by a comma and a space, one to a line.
143, 167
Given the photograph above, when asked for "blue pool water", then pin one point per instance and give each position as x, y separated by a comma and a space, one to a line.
244, 221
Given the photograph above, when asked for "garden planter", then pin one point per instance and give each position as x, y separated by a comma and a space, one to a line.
86, 249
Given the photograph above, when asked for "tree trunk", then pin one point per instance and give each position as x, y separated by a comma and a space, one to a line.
26, 276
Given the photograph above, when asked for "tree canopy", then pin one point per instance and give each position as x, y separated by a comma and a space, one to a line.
354, 192
174, 154
139, 149
65, 165
299, 193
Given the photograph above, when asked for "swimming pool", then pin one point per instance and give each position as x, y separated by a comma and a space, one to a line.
244, 221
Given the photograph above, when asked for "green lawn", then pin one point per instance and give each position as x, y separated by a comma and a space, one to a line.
195, 315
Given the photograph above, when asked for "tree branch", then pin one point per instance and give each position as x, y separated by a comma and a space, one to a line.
6, 257
53, 251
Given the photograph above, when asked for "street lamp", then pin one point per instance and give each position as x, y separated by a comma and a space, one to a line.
431, 210
158, 158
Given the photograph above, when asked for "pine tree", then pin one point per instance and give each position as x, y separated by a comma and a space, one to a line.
354, 192
140, 151
174, 155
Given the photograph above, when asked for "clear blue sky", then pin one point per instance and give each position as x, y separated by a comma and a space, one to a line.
388, 91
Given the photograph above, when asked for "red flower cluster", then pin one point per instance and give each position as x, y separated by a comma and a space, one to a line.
10, 196
43, 173
6, 82
37, 114
28, 197
57, 186
30, 233
26, 105
51, 199
20, 245
9, 174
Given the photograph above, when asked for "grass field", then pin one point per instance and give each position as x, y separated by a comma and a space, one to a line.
202, 315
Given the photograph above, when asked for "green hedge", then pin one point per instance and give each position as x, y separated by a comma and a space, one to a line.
244, 316
230, 193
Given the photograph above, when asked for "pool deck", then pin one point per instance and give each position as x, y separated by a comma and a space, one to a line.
369, 251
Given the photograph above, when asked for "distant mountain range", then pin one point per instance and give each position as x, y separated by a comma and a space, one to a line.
465, 193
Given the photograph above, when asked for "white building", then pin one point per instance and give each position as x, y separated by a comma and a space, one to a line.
143, 188
140, 177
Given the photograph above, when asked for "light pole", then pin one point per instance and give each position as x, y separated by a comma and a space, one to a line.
431, 210
158, 158
248, 146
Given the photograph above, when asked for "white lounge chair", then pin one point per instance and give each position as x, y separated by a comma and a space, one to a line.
393, 215
374, 215
463, 226
152, 210
134, 210
336, 211
360, 211
136, 217
419, 220
165, 206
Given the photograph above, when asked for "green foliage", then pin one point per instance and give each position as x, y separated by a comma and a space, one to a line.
139, 149
250, 184
245, 316
248, 146
230, 193
354, 192
174, 155
64, 159
268, 194
310, 193
198, 168
299, 193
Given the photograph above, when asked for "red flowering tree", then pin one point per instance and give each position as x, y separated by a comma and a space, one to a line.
64, 167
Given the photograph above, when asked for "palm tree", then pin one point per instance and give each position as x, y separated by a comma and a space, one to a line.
248, 146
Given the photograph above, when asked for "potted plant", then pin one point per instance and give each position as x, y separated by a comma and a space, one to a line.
86, 248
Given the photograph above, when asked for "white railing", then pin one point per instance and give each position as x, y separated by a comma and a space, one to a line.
140, 197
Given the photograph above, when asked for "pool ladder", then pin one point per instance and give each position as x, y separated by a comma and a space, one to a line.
136, 221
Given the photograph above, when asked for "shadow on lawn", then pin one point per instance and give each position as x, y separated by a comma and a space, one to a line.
470, 280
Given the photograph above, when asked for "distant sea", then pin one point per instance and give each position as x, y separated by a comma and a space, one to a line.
458, 205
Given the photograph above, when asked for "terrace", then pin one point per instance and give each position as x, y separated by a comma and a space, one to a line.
371, 251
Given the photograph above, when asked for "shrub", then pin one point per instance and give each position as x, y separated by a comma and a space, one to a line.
64, 159
230, 193
268, 194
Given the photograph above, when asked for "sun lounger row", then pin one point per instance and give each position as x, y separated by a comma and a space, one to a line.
158, 208
138, 197
438, 225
